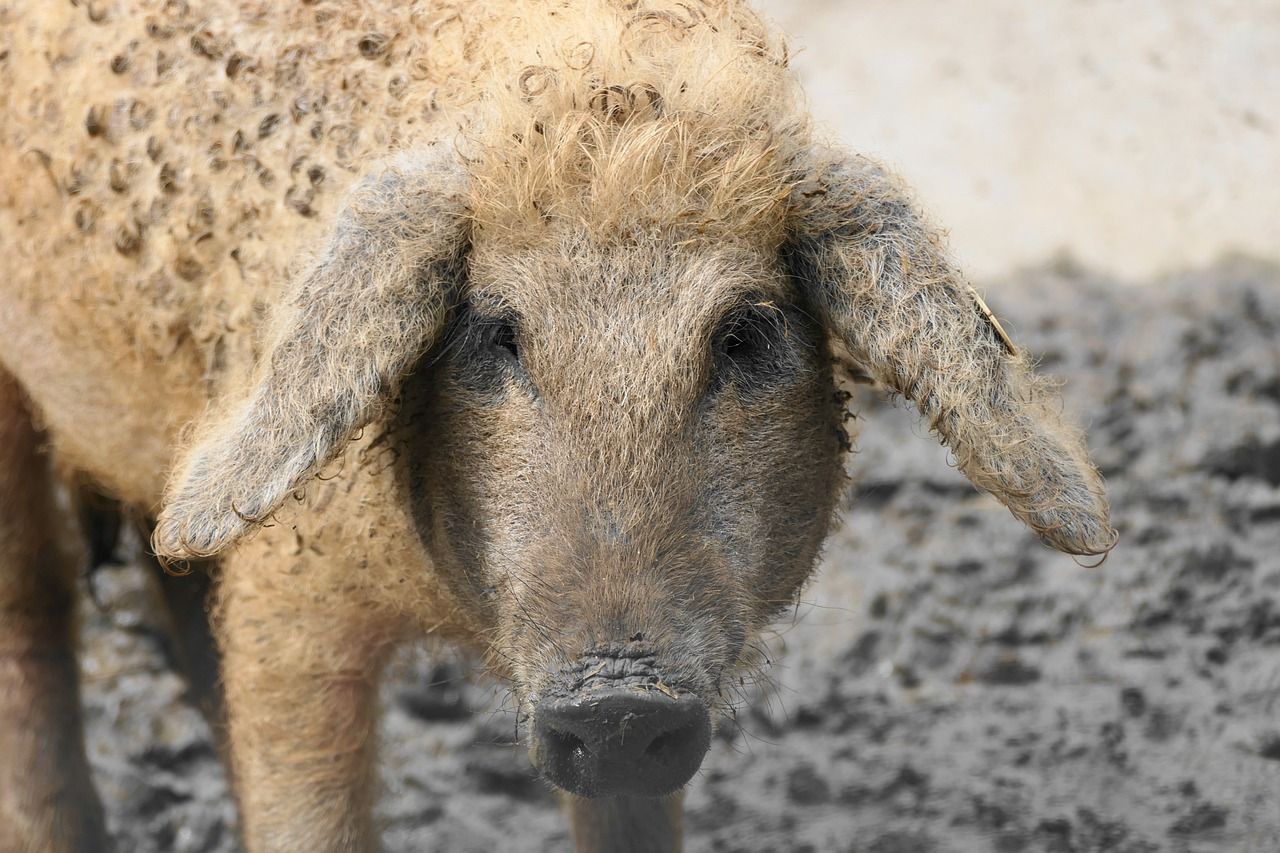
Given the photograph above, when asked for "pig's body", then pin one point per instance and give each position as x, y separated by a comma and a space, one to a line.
546, 293
151, 215
163, 171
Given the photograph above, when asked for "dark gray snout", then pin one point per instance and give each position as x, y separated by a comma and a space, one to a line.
615, 741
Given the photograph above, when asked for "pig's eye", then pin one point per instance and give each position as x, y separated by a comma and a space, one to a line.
499, 340
485, 351
744, 343
751, 346
502, 339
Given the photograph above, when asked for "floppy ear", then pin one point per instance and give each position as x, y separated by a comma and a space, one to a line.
342, 336
890, 293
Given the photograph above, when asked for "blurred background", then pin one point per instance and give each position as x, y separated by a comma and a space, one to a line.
1137, 136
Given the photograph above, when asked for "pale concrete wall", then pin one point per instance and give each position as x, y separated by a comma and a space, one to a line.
1139, 136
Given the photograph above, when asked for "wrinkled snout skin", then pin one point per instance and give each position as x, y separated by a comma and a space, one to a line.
624, 502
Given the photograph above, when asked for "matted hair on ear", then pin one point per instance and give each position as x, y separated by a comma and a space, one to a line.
891, 294
342, 337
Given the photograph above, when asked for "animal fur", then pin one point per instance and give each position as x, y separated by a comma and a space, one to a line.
471, 281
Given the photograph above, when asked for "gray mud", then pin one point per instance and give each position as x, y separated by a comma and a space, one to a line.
946, 684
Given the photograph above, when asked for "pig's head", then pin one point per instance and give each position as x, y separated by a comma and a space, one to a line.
631, 456
614, 346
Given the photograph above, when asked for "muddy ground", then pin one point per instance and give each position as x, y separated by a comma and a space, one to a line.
946, 684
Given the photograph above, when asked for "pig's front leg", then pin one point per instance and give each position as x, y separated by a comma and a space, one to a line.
301, 663
47, 802
627, 824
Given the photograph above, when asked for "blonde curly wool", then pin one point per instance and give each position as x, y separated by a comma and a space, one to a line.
623, 117
613, 120
555, 287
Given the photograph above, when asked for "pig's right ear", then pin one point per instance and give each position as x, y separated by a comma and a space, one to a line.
892, 297
343, 336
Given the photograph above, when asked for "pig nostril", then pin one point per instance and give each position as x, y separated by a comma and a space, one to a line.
668, 747
566, 744
661, 747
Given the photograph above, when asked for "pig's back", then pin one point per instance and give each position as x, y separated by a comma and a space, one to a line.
163, 164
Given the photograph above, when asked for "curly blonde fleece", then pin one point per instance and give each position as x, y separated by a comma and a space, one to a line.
622, 117
232, 230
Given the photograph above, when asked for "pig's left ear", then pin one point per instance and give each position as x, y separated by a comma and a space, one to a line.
343, 335
889, 292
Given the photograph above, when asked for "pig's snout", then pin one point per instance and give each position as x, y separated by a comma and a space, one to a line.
613, 741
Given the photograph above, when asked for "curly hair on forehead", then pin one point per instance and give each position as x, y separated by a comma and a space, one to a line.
632, 116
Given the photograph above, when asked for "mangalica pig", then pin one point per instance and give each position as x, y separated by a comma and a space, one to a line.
518, 323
